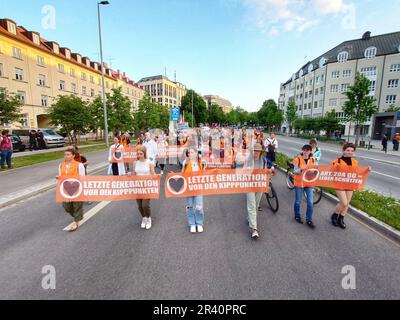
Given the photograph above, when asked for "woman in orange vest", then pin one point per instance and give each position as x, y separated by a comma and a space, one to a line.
194, 206
72, 169
301, 163
344, 196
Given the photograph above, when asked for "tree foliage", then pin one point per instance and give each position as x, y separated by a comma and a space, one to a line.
10, 108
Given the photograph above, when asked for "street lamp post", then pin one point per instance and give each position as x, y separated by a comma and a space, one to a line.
104, 3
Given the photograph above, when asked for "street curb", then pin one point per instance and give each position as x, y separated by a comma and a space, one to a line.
364, 217
38, 189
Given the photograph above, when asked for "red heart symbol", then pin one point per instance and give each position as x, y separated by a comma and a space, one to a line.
71, 187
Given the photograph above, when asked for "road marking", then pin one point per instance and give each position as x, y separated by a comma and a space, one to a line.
385, 175
90, 214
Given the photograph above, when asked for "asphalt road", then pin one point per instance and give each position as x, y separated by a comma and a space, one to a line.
384, 179
110, 257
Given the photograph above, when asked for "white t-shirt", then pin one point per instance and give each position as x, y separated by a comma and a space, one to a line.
152, 149
142, 168
270, 141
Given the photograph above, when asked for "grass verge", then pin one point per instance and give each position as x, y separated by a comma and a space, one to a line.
383, 208
45, 157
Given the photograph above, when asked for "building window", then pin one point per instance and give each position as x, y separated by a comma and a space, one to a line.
72, 72
11, 27
73, 87
17, 53
44, 101
19, 74
335, 74
92, 93
42, 80
306, 95
391, 99
347, 73
395, 68
321, 90
84, 91
1, 70
369, 71
36, 39
343, 57
91, 79
316, 92
332, 102
60, 68
24, 120
309, 105
394, 83
311, 82
40, 61
317, 80
321, 103
334, 88
372, 86
344, 87
316, 104
83, 76
370, 52
62, 85
21, 96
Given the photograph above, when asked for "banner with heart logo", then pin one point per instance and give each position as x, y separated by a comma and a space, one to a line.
127, 155
336, 177
114, 188
216, 182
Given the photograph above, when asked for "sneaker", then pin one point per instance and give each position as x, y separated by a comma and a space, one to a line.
200, 229
311, 225
162, 172
148, 224
334, 219
260, 209
144, 222
341, 223
298, 219
193, 229
255, 235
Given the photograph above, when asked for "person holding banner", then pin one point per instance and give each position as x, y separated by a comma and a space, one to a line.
116, 168
301, 163
195, 212
151, 148
344, 196
72, 169
143, 167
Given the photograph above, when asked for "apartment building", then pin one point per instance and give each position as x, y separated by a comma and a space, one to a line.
164, 91
38, 70
318, 87
225, 104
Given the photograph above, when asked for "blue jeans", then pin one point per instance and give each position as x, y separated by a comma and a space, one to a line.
310, 202
5, 156
195, 210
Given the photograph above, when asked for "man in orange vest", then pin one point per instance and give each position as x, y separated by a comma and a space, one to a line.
70, 168
301, 163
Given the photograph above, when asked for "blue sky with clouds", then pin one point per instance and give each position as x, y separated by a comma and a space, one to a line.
239, 49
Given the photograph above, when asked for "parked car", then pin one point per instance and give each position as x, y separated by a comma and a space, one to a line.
17, 143
52, 139
23, 134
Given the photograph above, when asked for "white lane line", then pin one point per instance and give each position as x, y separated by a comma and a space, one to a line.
385, 175
90, 214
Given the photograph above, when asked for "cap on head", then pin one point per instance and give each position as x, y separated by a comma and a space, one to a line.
307, 147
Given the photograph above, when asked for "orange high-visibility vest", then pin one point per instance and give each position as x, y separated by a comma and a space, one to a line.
73, 169
298, 182
189, 167
354, 162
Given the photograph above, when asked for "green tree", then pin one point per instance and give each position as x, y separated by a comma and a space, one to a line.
393, 108
270, 115
199, 107
291, 114
330, 123
72, 115
360, 106
216, 114
10, 108
151, 115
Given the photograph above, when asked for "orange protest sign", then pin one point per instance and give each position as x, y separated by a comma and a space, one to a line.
127, 155
336, 177
216, 182
170, 152
115, 188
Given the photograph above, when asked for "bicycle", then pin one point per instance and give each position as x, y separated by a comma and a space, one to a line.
271, 195
318, 191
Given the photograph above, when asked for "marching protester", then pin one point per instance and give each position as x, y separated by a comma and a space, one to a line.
143, 167
72, 169
116, 168
253, 161
316, 151
6, 150
162, 144
151, 148
301, 163
195, 212
271, 146
344, 196
80, 158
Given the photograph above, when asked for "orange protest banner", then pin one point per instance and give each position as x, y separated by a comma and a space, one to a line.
336, 177
170, 152
115, 188
216, 182
127, 155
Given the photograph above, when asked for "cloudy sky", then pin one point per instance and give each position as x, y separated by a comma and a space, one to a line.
239, 49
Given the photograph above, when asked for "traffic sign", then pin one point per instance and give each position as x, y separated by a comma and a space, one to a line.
175, 114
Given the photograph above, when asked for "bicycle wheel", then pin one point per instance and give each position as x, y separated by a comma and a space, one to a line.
272, 199
317, 195
289, 180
